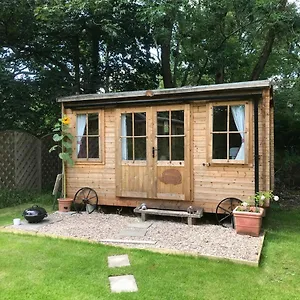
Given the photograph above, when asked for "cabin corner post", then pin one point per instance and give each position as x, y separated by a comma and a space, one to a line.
272, 150
267, 138
63, 166
256, 146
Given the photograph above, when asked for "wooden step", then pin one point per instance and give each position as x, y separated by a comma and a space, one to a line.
170, 213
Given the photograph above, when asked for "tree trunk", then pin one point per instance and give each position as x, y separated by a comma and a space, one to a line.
165, 64
267, 49
219, 77
264, 56
95, 64
76, 65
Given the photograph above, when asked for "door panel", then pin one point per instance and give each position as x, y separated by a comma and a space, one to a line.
172, 144
132, 167
153, 159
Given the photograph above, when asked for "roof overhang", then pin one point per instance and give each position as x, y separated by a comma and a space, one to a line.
239, 90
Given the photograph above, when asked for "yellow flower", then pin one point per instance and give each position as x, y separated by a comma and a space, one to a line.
66, 120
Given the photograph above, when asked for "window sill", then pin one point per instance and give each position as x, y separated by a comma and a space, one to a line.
230, 163
89, 162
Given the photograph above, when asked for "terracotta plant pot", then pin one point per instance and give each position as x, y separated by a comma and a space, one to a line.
64, 204
248, 222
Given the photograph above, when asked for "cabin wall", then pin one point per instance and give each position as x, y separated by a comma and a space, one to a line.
266, 142
209, 184
213, 183
99, 176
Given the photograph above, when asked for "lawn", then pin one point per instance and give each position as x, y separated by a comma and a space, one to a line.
34, 267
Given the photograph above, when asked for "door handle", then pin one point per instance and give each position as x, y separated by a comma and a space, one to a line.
153, 152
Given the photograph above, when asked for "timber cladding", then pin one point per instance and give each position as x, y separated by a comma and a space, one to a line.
197, 176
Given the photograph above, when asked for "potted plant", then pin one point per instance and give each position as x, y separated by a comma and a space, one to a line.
63, 138
247, 218
263, 198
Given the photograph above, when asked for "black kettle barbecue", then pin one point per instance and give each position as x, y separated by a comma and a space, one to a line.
34, 214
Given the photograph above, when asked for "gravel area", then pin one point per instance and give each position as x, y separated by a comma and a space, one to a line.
202, 239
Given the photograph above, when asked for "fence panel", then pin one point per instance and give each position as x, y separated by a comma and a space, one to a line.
7, 160
27, 161
51, 164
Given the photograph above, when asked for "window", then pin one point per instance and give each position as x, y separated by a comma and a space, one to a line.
229, 133
133, 136
88, 136
170, 135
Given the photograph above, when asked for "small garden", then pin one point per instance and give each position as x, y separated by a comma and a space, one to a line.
35, 267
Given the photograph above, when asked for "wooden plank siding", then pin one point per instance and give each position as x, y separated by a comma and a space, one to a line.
99, 176
215, 182
209, 182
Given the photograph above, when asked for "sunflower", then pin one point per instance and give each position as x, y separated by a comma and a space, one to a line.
66, 120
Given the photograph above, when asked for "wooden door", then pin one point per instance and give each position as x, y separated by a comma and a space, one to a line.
171, 152
134, 175
153, 153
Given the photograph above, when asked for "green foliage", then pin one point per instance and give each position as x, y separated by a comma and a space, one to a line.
50, 49
287, 128
263, 197
11, 198
65, 138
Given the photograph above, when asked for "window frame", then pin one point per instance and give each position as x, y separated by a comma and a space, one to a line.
100, 136
136, 162
170, 162
247, 134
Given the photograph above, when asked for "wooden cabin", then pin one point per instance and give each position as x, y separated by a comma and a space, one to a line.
173, 148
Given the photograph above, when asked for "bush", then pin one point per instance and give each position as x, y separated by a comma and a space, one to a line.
287, 165
9, 198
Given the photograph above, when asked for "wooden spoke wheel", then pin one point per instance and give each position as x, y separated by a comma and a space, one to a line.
85, 199
224, 211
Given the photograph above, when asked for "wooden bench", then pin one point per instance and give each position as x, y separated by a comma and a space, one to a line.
191, 217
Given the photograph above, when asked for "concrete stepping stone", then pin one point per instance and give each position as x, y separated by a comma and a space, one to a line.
133, 232
125, 283
141, 225
117, 261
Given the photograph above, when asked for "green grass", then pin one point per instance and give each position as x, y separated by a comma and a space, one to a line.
33, 267
9, 213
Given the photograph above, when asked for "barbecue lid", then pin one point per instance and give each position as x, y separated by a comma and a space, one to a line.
35, 210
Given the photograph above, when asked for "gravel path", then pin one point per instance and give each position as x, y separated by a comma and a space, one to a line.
202, 239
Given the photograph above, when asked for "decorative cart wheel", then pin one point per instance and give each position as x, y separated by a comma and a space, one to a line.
224, 211
85, 199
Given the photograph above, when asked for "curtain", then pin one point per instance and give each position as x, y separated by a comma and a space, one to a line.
124, 139
81, 123
238, 112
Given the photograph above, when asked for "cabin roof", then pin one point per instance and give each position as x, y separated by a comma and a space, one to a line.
183, 94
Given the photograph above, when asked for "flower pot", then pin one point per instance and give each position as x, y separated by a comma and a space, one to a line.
64, 204
247, 222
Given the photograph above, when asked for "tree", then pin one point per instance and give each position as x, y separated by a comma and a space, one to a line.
208, 41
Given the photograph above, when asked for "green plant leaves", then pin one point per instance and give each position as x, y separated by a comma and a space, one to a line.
57, 137
53, 148
66, 157
66, 142
69, 136
67, 145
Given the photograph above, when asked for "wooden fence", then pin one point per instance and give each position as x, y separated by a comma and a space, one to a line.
25, 163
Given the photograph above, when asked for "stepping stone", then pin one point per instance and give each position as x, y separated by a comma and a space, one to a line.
118, 261
125, 283
133, 232
142, 225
